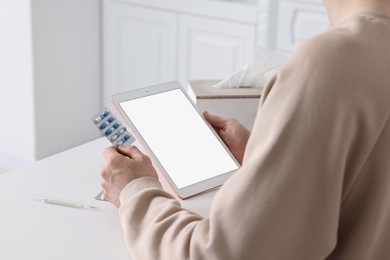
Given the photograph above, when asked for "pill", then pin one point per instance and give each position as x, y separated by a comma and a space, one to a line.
124, 139
115, 136
104, 125
112, 128
109, 131
98, 119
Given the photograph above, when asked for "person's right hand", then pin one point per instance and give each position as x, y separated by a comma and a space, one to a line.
231, 132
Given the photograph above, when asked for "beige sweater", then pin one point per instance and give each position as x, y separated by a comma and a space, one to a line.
315, 182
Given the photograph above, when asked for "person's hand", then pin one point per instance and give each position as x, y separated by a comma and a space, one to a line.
231, 132
122, 165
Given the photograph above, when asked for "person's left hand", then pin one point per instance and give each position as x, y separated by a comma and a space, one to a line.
122, 165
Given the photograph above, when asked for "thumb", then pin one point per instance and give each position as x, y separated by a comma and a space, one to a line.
215, 121
132, 152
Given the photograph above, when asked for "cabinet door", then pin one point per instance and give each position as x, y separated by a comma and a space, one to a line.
213, 49
139, 47
297, 22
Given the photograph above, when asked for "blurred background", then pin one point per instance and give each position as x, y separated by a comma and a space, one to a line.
61, 60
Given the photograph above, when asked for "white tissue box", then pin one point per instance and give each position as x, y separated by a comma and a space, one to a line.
238, 103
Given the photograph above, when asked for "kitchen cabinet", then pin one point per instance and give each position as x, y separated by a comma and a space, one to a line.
297, 21
148, 42
212, 49
139, 47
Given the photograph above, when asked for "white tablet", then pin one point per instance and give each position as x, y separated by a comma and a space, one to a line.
187, 150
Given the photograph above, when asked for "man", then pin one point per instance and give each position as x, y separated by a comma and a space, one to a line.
315, 176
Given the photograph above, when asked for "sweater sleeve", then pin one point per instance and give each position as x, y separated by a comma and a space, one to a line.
284, 203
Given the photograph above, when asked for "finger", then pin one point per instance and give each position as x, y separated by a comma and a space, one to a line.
132, 151
110, 151
103, 184
104, 173
215, 121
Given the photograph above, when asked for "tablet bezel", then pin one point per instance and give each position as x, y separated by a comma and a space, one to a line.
188, 191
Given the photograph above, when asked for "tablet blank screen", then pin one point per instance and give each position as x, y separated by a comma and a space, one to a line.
179, 138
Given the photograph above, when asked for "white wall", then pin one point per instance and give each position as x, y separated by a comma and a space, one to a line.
16, 81
49, 76
67, 72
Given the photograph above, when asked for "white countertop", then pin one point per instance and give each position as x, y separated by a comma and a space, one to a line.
35, 230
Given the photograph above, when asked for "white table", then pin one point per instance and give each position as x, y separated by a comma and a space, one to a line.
35, 230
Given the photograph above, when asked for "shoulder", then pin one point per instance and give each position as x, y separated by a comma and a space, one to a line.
332, 49
321, 69
324, 61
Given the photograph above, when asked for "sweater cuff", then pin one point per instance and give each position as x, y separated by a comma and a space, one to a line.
137, 185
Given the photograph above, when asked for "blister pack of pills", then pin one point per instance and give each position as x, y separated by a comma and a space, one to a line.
112, 128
